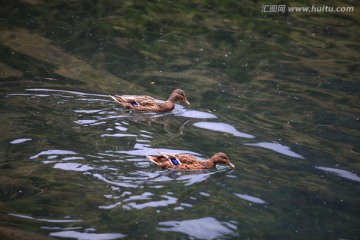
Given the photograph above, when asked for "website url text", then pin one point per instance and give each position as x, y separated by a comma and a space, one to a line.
312, 9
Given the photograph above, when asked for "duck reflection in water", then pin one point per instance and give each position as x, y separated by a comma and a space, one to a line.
189, 162
172, 125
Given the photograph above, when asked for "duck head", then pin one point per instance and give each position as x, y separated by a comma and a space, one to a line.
221, 158
178, 94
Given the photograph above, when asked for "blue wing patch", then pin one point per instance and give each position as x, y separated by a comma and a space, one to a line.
174, 161
134, 103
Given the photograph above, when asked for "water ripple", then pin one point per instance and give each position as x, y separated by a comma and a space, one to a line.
87, 236
341, 173
120, 184
118, 135
20, 140
195, 114
53, 152
143, 150
191, 179
64, 91
276, 147
73, 167
222, 127
44, 219
203, 228
250, 198
166, 201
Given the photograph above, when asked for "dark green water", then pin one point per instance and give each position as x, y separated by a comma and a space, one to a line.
279, 93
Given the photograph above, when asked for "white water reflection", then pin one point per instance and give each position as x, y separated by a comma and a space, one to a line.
20, 140
115, 183
143, 150
111, 206
88, 111
250, 198
188, 178
144, 200
276, 147
64, 91
118, 135
85, 122
28, 94
166, 201
53, 152
203, 228
341, 173
44, 219
222, 127
191, 179
72, 158
73, 167
87, 236
195, 114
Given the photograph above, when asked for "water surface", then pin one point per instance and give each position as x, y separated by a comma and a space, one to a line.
278, 93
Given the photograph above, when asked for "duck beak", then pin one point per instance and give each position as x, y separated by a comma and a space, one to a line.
186, 101
232, 166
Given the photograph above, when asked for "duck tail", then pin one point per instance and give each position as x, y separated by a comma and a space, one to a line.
117, 99
153, 159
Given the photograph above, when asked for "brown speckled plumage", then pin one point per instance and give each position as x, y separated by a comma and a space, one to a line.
149, 104
189, 162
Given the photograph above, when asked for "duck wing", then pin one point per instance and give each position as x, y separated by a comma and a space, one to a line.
191, 163
178, 161
181, 158
135, 100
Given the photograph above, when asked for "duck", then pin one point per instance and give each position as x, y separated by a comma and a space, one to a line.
149, 104
178, 161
